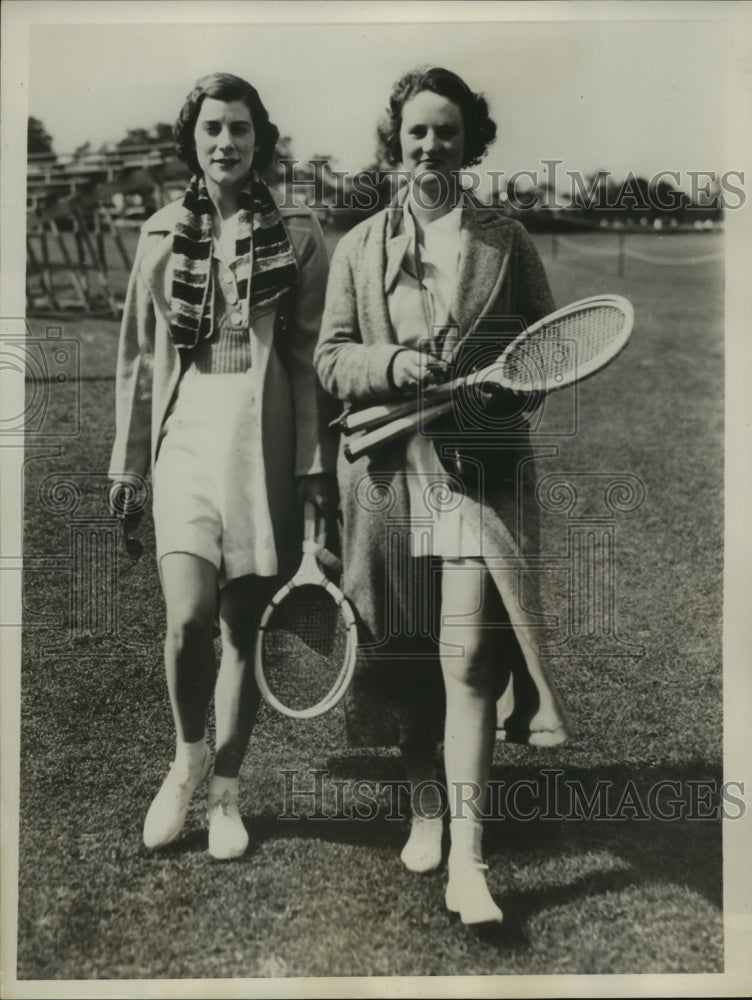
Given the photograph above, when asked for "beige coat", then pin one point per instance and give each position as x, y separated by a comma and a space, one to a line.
500, 279
295, 412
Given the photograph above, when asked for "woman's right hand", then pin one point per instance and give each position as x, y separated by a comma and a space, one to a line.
413, 370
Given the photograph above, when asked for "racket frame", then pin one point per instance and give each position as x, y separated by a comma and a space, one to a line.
589, 368
309, 573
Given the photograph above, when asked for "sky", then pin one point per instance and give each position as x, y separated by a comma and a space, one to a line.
624, 95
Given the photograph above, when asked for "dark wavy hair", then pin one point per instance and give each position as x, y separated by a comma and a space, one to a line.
225, 87
480, 129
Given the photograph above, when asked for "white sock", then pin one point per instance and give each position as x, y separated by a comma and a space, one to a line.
466, 836
425, 799
218, 786
190, 756
467, 891
422, 852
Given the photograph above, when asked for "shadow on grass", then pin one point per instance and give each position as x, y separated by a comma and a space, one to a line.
379, 833
663, 822
652, 826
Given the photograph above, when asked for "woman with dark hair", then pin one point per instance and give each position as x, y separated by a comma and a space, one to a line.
217, 397
435, 541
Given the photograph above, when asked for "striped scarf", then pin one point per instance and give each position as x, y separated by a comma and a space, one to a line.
265, 267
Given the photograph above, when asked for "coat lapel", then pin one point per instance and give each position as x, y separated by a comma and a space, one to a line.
396, 242
383, 256
395, 252
484, 260
156, 267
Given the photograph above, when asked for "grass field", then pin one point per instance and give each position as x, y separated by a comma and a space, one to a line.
315, 897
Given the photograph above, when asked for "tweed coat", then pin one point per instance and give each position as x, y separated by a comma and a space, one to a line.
295, 412
501, 284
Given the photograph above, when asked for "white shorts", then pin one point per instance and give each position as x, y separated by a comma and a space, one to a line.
210, 496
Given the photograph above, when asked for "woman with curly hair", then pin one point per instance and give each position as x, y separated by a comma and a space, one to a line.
437, 530
218, 399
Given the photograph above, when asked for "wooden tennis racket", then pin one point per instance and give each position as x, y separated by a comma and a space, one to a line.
562, 348
306, 645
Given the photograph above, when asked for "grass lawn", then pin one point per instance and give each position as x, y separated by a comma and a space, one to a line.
313, 897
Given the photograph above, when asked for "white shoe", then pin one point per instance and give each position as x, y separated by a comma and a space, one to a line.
422, 852
467, 894
228, 837
167, 813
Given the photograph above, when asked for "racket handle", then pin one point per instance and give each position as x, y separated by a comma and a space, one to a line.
310, 521
374, 416
381, 415
371, 417
395, 429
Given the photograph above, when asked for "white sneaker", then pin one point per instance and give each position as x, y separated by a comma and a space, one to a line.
467, 891
167, 813
228, 837
422, 852
467, 894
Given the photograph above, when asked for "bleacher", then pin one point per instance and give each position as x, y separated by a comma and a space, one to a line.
51, 177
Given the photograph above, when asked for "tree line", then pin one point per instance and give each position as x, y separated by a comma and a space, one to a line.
599, 198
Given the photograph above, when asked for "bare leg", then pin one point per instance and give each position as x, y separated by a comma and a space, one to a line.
236, 700
236, 696
189, 587
472, 681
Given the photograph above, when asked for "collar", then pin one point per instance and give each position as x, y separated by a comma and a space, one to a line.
401, 236
224, 249
400, 230
450, 224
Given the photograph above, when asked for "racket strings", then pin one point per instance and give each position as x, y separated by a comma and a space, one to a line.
563, 349
305, 646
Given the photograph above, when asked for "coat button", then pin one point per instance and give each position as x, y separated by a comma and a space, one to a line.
232, 298
236, 318
227, 277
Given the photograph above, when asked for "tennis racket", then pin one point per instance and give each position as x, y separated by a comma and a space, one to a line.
564, 347
306, 645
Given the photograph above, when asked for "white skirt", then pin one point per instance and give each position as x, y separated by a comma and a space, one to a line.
210, 496
436, 522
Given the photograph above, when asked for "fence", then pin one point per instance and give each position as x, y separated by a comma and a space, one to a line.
622, 251
77, 263
80, 262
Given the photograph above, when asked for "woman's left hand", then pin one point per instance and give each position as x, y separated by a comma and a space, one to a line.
320, 489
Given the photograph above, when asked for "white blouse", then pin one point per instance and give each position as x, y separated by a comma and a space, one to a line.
223, 250
436, 521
